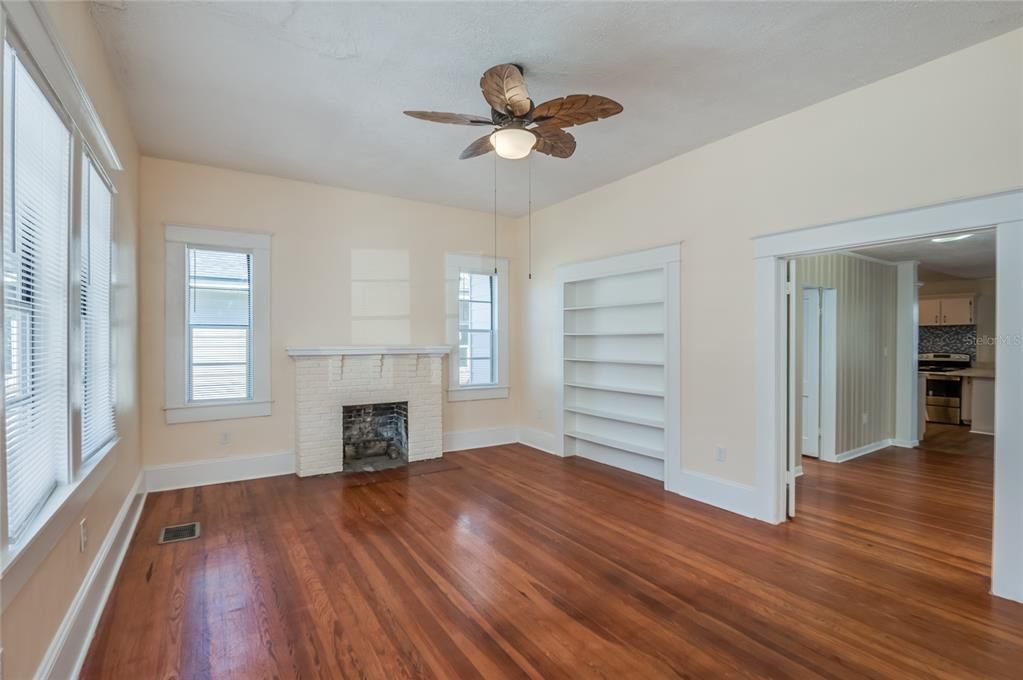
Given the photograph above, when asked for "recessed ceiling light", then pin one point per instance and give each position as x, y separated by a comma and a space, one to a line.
948, 239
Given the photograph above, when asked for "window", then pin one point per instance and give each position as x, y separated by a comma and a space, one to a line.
217, 324
98, 428
477, 327
37, 190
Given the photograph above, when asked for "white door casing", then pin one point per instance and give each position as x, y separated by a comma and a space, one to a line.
810, 393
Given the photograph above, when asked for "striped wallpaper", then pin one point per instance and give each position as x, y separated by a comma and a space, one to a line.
867, 309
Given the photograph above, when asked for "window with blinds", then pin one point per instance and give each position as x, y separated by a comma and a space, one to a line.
98, 427
219, 333
37, 184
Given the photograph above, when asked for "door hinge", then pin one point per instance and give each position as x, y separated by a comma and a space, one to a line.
788, 288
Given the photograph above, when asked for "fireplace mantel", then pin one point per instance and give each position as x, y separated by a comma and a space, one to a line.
365, 350
329, 379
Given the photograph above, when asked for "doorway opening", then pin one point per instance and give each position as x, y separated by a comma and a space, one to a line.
906, 396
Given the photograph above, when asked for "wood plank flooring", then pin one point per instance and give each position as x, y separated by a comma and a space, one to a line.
506, 562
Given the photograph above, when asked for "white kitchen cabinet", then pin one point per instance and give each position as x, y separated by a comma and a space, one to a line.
957, 311
949, 310
930, 311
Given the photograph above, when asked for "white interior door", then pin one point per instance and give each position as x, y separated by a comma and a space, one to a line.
811, 387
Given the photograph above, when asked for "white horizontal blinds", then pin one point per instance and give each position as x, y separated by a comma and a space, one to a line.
476, 356
97, 376
219, 324
37, 150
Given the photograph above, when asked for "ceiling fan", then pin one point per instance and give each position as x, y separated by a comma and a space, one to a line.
513, 113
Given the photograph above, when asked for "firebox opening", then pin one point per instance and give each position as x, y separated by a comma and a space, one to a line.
375, 436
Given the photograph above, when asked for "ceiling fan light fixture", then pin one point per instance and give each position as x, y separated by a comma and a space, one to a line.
513, 143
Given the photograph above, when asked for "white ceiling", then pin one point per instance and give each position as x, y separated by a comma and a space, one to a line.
971, 258
315, 91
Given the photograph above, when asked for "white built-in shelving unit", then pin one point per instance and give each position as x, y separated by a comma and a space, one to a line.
619, 393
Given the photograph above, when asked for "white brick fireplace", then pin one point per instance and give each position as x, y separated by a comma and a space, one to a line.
329, 378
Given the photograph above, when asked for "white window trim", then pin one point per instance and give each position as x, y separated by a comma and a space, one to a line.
49, 60
481, 264
176, 406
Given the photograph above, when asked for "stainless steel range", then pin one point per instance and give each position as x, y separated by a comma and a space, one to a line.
944, 392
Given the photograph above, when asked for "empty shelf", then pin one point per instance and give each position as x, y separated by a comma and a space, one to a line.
631, 362
615, 444
620, 417
614, 333
609, 305
612, 388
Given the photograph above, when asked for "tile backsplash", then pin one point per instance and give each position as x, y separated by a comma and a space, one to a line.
952, 339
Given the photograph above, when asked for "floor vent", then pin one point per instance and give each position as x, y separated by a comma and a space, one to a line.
179, 532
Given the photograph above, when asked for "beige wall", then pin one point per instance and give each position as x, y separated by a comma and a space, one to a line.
945, 130
317, 231
867, 301
985, 290
31, 620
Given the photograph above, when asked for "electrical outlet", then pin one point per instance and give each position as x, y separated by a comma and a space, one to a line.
83, 535
721, 454
865, 418
225, 438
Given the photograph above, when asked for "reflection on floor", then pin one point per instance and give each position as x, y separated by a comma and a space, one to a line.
507, 562
956, 439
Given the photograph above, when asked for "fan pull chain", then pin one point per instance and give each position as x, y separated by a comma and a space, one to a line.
530, 213
495, 214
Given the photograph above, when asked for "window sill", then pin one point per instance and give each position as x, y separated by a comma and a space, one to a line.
228, 410
60, 512
477, 393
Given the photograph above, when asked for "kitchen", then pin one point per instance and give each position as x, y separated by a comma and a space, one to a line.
957, 340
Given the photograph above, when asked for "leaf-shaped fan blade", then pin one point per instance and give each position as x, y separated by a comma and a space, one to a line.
553, 141
575, 109
505, 90
478, 148
452, 118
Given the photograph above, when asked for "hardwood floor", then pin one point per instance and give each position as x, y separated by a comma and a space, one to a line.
956, 439
505, 562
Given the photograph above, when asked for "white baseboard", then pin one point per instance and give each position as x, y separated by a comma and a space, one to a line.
66, 653
540, 440
739, 498
218, 471
863, 450
906, 443
799, 471
990, 434
475, 439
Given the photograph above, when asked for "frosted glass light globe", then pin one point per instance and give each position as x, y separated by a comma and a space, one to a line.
513, 143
